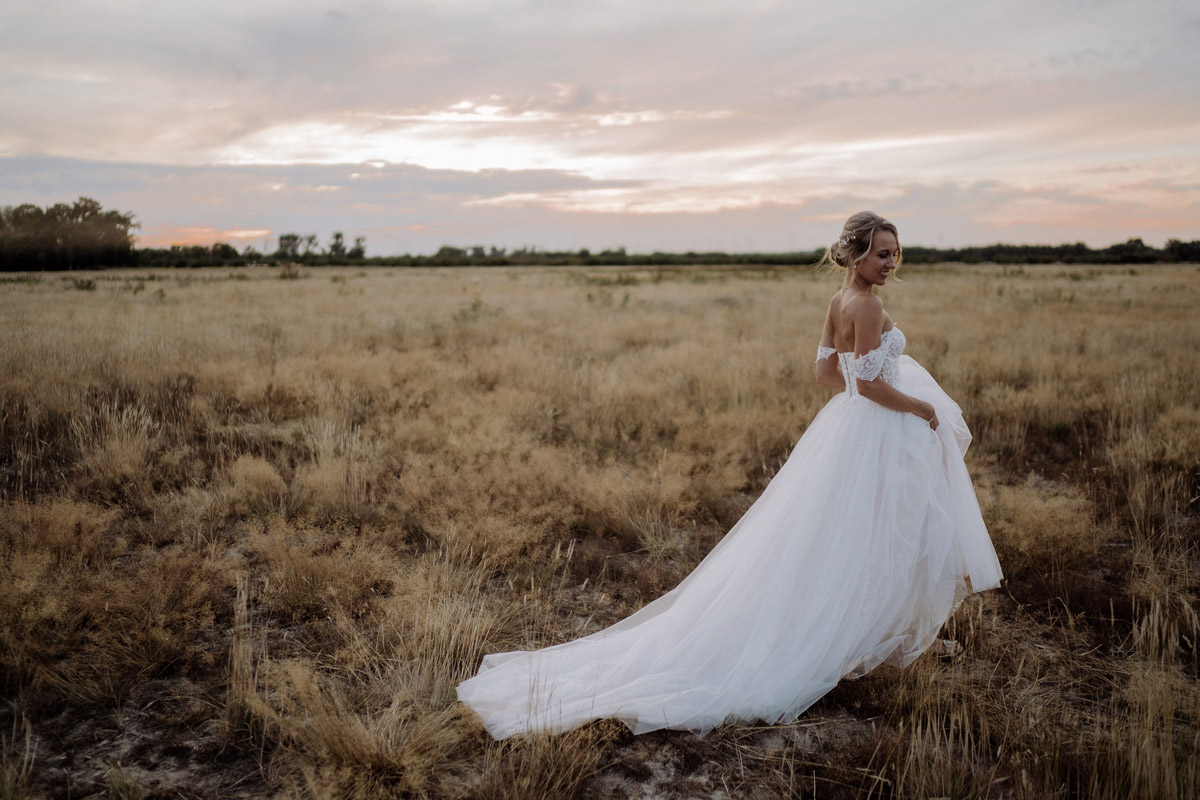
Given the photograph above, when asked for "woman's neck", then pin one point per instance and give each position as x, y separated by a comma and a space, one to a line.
857, 283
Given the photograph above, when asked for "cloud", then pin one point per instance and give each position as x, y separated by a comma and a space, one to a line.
165, 236
409, 209
504, 119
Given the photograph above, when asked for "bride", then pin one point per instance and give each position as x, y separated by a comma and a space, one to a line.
854, 555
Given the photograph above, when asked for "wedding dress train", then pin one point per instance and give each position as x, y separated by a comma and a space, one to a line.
854, 555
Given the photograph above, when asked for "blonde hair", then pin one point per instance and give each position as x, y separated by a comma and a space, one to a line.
855, 242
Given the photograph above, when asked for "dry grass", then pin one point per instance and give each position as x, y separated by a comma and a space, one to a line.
254, 531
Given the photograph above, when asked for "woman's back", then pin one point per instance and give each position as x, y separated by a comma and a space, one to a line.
846, 311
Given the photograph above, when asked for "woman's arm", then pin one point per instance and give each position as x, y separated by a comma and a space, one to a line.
828, 373
868, 335
888, 396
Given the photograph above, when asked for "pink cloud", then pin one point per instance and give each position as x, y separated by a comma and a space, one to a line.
168, 235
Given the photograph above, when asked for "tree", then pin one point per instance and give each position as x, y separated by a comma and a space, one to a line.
62, 236
337, 245
360, 248
289, 245
1133, 251
1182, 251
224, 252
450, 255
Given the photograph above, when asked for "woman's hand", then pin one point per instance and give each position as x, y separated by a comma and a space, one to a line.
925, 411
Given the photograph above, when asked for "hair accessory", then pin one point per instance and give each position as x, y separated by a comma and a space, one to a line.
847, 239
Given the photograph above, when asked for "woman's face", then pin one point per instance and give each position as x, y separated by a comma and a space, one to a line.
880, 260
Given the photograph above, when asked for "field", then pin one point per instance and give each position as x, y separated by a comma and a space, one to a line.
255, 529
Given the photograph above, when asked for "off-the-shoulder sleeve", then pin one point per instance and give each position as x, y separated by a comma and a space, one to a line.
868, 366
825, 352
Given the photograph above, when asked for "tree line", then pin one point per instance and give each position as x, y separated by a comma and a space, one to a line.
83, 235
292, 248
1133, 251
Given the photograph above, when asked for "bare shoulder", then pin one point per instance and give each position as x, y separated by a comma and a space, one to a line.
864, 309
865, 312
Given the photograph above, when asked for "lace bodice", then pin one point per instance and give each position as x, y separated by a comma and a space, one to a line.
883, 360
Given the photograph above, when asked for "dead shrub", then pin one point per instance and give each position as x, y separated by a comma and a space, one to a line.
116, 443
342, 481
311, 571
46, 550
1048, 540
541, 767
90, 630
256, 489
146, 631
37, 447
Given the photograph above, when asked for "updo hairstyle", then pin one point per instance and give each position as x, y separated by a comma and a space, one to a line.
858, 235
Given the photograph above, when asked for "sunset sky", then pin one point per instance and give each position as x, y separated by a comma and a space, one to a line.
737, 126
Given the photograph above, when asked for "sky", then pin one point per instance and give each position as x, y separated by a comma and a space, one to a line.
565, 124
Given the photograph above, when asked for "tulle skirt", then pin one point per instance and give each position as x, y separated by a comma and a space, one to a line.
854, 555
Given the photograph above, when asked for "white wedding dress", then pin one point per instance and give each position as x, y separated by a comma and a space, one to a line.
854, 555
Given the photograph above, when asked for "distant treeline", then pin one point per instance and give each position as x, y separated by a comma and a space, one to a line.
85, 236
1134, 251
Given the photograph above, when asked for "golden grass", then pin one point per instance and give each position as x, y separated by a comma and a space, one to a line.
315, 504
17, 756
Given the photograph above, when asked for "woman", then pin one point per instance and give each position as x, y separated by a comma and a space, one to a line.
854, 555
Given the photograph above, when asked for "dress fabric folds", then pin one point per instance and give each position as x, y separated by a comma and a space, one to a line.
854, 555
